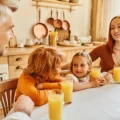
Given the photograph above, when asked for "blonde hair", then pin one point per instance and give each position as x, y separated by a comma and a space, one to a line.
6, 9
83, 54
44, 62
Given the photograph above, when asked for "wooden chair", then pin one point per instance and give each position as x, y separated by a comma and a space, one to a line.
7, 94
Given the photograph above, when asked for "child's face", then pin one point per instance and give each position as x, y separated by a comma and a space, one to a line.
80, 66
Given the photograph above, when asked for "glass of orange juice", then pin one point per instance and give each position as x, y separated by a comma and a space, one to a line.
95, 72
53, 38
116, 73
55, 105
67, 88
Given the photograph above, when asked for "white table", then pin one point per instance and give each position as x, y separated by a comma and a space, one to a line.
102, 103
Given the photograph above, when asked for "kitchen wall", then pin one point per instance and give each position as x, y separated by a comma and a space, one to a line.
27, 16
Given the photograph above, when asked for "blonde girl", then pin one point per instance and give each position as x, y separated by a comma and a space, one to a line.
80, 68
41, 75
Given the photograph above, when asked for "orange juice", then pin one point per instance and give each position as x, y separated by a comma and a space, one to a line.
53, 38
55, 103
116, 74
67, 88
95, 72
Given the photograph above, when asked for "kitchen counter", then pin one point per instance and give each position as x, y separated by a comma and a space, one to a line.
17, 58
28, 50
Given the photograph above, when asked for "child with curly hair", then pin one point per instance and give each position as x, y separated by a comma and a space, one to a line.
41, 75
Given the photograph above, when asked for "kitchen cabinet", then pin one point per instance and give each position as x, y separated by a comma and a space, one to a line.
4, 68
17, 63
17, 58
3, 60
70, 53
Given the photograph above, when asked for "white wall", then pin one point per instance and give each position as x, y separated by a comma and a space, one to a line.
27, 16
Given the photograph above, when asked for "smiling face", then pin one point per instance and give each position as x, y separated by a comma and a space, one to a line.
115, 29
80, 66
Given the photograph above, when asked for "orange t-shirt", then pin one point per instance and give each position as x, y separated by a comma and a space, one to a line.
27, 86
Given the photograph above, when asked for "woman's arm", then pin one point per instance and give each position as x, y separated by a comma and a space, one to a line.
65, 66
95, 53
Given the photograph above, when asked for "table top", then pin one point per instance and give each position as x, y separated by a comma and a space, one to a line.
102, 103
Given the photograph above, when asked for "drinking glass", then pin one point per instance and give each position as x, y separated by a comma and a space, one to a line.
55, 105
116, 73
53, 38
95, 72
67, 88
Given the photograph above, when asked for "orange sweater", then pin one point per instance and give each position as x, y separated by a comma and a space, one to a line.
27, 86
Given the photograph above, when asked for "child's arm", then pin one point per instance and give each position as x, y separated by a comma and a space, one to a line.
46, 85
81, 86
50, 85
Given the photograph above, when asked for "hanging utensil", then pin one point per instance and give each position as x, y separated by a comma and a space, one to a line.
65, 23
40, 30
50, 20
57, 22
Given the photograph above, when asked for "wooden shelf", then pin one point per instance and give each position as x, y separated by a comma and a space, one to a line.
59, 2
70, 5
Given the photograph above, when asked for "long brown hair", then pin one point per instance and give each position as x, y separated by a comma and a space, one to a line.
44, 62
111, 41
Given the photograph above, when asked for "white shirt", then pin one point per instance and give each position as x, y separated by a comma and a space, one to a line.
74, 78
17, 116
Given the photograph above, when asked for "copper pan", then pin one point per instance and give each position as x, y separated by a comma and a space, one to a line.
57, 23
50, 20
40, 30
65, 23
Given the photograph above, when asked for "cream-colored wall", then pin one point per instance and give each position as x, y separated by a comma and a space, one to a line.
27, 16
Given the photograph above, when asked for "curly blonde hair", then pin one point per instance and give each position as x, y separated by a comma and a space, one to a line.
44, 62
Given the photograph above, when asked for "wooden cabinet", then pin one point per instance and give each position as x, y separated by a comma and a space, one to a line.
17, 63
16, 71
17, 58
3, 60
4, 68
70, 53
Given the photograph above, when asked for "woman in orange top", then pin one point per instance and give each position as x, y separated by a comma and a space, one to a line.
41, 75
